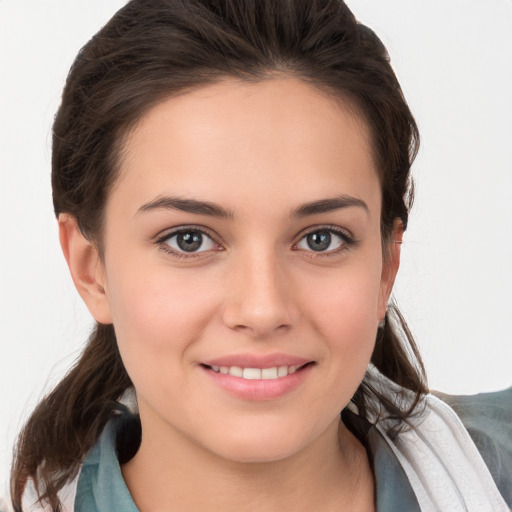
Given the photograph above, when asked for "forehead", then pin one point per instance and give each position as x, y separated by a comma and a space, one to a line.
280, 138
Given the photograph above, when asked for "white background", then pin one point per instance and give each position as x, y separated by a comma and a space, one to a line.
454, 60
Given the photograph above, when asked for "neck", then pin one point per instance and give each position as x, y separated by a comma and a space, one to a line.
172, 473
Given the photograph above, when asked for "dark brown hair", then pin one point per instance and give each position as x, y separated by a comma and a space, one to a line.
150, 50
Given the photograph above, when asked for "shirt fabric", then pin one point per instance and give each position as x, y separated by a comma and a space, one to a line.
100, 487
488, 418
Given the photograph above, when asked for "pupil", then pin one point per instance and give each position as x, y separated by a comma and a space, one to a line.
319, 241
190, 241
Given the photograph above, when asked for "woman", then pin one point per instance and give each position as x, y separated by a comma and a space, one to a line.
231, 182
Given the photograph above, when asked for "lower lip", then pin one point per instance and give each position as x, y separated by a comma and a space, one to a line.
259, 389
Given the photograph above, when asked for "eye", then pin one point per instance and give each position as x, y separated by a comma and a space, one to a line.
187, 240
324, 240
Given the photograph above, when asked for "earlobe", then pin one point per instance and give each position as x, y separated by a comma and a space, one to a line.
86, 268
390, 267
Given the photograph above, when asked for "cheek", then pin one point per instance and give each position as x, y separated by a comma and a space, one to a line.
156, 311
345, 309
158, 320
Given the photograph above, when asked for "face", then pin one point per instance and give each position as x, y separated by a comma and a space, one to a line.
243, 269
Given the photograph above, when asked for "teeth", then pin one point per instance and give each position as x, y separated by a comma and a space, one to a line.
269, 373
236, 371
282, 371
251, 373
256, 373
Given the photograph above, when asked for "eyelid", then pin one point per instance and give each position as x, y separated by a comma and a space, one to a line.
183, 228
164, 235
345, 234
161, 238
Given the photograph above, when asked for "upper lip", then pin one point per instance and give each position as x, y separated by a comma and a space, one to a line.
257, 361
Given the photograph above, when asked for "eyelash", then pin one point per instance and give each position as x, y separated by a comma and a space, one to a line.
347, 241
162, 241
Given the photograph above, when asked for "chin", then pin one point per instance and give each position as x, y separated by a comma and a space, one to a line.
260, 445
259, 453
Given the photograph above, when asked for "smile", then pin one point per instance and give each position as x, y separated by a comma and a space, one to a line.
275, 372
258, 380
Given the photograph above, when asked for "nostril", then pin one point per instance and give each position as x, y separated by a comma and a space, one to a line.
259, 304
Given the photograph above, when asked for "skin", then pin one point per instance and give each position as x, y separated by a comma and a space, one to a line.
260, 151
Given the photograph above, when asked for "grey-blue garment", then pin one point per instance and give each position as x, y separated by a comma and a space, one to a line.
101, 486
488, 418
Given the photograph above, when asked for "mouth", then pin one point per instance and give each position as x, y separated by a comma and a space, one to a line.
254, 373
258, 380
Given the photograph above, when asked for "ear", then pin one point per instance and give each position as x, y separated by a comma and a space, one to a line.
86, 268
391, 263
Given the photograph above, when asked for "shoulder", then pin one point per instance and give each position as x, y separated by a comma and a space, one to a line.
488, 419
97, 478
101, 485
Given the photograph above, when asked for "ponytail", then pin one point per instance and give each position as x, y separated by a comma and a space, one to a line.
153, 50
67, 422
396, 356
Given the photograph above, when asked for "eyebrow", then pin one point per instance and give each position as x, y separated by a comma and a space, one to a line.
186, 205
214, 210
329, 205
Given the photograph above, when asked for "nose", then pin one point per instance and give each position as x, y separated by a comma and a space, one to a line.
259, 298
